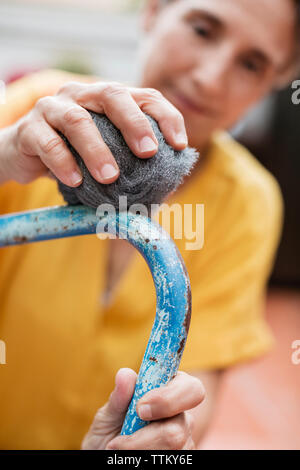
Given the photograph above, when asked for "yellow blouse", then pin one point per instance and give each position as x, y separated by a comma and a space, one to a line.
64, 345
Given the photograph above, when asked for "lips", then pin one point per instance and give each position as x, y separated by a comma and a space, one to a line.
185, 104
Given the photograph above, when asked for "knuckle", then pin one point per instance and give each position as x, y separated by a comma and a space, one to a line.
174, 436
22, 130
190, 421
68, 88
139, 122
56, 160
44, 103
153, 93
25, 130
112, 88
94, 148
162, 401
97, 423
59, 161
76, 116
52, 145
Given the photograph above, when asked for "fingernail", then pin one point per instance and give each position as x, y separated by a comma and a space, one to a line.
181, 138
76, 177
145, 412
108, 171
147, 145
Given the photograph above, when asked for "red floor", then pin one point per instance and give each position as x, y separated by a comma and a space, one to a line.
259, 402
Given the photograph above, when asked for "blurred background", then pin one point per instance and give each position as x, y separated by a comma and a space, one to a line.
94, 36
259, 403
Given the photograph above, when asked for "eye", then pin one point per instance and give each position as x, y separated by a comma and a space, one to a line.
251, 65
202, 30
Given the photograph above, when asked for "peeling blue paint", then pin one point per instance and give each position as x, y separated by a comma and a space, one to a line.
172, 285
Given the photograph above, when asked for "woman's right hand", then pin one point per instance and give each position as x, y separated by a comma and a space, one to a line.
32, 146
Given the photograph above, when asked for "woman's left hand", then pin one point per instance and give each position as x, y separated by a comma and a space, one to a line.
169, 409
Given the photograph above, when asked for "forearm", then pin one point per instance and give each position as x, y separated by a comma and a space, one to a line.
6, 153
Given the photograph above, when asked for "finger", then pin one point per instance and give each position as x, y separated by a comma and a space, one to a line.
170, 434
124, 388
109, 418
115, 101
182, 393
41, 140
170, 120
78, 127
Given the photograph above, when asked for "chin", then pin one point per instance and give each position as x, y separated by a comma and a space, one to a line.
199, 133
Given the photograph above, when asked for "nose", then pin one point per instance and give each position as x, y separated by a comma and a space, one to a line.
211, 72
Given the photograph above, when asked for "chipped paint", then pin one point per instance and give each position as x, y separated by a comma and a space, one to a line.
173, 309
172, 285
46, 224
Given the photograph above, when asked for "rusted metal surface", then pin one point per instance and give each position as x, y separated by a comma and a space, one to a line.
46, 224
173, 309
172, 285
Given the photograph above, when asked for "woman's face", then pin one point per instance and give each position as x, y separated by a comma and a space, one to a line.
213, 59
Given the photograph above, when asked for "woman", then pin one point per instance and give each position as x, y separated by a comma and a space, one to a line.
206, 62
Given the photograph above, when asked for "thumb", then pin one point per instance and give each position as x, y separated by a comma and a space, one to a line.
109, 419
121, 396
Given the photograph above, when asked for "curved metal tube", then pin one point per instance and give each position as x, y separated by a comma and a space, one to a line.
173, 293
